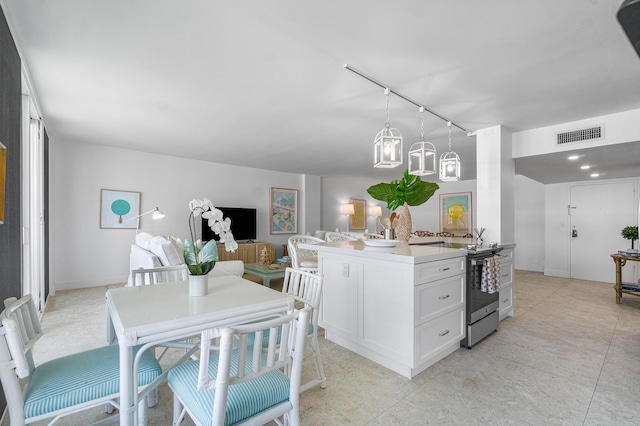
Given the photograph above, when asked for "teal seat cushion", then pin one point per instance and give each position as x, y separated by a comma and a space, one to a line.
82, 377
244, 399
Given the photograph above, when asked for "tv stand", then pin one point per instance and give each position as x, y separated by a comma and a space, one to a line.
248, 252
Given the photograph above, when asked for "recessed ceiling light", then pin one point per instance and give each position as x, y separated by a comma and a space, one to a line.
573, 157
585, 167
595, 174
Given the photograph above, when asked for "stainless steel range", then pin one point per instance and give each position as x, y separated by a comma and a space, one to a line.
482, 308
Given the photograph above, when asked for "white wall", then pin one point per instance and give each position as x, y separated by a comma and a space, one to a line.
338, 191
427, 216
618, 128
529, 224
83, 255
556, 242
529, 213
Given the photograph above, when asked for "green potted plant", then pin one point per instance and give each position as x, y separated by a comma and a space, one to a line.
630, 233
402, 193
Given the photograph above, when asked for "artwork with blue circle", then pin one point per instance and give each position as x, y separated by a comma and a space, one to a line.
119, 209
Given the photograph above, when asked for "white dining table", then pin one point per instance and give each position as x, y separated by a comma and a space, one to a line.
160, 313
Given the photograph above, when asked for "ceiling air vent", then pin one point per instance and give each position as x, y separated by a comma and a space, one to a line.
580, 135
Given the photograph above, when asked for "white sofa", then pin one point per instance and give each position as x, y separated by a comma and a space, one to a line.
155, 251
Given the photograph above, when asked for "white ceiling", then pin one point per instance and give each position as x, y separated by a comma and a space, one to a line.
262, 84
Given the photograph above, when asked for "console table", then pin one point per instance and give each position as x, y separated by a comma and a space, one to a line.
634, 288
247, 252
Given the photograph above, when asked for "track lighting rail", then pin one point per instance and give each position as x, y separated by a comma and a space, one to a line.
406, 98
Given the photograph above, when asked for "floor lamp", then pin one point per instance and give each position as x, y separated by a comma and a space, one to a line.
157, 214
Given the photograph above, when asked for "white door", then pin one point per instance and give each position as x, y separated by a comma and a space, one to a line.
598, 213
33, 261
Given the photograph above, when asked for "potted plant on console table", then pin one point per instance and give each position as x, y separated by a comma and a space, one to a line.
201, 261
400, 194
630, 233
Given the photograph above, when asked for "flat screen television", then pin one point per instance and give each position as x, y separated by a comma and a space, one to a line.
243, 224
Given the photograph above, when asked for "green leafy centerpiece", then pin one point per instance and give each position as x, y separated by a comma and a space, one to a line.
400, 194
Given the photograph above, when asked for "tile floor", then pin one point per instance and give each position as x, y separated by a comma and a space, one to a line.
570, 356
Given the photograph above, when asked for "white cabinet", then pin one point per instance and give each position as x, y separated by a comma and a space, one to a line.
404, 316
340, 298
506, 288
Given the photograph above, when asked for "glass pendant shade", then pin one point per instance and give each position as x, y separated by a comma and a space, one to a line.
449, 167
387, 148
422, 159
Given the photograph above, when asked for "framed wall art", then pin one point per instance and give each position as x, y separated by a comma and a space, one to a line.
455, 213
283, 211
358, 220
119, 209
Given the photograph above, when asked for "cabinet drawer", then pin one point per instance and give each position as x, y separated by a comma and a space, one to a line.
506, 255
433, 271
438, 333
506, 301
436, 298
506, 274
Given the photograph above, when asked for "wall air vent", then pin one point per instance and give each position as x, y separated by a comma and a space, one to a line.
580, 135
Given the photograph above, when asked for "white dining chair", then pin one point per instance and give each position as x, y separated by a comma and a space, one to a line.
63, 386
303, 259
353, 235
162, 274
242, 383
372, 236
332, 237
306, 288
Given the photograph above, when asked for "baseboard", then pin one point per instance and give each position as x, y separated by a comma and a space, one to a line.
556, 273
73, 285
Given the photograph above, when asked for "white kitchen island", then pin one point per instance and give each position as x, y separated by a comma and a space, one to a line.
401, 307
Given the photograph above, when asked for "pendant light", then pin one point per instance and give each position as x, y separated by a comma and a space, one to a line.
387, 147
422, 155
449, 163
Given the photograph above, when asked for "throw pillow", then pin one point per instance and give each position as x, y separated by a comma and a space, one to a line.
143, 239
164, 249
208, 252
179, 246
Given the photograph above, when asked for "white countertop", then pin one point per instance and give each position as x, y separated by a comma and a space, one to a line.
402, 252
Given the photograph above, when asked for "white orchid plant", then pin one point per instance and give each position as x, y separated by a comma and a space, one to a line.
202, 261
